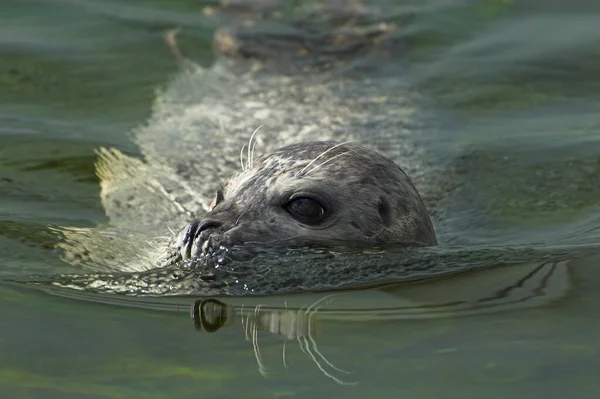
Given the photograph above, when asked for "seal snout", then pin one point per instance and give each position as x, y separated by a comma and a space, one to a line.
192, 235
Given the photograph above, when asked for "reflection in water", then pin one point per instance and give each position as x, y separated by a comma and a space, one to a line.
210, 315
479, 291
499, 289
503, 94
331, 327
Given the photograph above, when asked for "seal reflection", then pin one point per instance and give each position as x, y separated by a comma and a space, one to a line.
507, 288
210, 315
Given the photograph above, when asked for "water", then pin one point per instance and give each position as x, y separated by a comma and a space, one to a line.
506, 98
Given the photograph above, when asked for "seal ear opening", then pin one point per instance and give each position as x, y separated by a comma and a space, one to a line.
385, 212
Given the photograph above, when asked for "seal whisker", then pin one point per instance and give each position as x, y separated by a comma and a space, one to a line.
261, 367
299, 336
325, 372
310, 312
283, 354
171, 230
318, 302
242, 320
250, 159
252, 154
246, 325
329, 160
320, 155
242, 158
284, 339
237, 221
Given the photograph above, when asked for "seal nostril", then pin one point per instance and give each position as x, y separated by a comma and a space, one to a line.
190, 232
193, 231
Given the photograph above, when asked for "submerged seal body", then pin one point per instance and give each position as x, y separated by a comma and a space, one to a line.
316, 192
304, 80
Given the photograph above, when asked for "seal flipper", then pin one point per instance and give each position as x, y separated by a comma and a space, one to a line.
138, 196
142, 202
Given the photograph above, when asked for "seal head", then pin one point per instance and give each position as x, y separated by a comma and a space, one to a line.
317, 192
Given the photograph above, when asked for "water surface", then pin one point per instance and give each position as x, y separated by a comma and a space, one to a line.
511, 94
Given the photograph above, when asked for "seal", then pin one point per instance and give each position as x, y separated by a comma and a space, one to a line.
304, 80
316, 192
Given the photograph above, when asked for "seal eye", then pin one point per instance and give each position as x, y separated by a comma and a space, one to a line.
306, 210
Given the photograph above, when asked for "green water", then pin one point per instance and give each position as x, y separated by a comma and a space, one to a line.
514, 87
